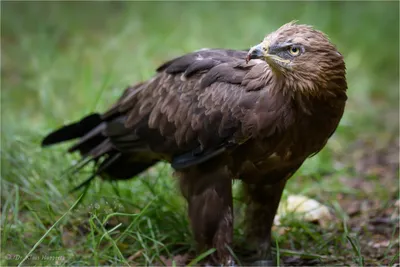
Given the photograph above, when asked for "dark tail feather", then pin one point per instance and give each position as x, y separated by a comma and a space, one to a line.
117, 167
94, 146
72, 131
99, 170
124, 168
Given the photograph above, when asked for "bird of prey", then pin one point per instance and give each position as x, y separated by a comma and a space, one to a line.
217, 115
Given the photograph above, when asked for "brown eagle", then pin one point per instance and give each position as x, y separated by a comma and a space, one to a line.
217, 115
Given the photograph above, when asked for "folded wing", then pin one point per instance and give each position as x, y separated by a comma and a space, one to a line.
193, 109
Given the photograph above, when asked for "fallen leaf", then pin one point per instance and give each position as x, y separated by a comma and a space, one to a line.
180, 260
380, 244
136, 255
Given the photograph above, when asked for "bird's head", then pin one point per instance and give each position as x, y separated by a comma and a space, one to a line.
305, 57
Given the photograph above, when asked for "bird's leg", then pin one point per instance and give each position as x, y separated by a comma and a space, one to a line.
262, 204
209, 195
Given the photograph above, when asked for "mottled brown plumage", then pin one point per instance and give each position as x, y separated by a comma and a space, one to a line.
218, 115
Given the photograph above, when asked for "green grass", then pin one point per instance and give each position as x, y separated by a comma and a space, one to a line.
61, 61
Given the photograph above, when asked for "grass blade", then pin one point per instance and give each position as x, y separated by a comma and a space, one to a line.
201, 256
278, 253
357, 249
48, 231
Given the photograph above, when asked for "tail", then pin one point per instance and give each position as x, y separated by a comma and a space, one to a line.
77, 130
94, 146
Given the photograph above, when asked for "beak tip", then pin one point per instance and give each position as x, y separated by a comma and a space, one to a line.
255, 52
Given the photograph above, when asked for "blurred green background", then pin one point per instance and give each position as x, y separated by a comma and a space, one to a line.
62, 60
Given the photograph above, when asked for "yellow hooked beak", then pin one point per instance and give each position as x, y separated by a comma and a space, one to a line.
258, 51
263, 51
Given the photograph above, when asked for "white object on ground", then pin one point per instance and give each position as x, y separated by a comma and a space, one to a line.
304, 208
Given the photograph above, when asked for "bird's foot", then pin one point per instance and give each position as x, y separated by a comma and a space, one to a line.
256, 257
229, 262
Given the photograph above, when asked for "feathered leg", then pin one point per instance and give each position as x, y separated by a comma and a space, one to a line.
262, 199
209, 195
262, 203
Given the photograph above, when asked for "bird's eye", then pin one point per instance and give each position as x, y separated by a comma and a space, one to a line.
294, 51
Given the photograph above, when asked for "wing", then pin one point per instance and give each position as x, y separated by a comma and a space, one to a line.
196, 107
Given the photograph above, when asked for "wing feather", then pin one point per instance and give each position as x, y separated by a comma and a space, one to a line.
194, 108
